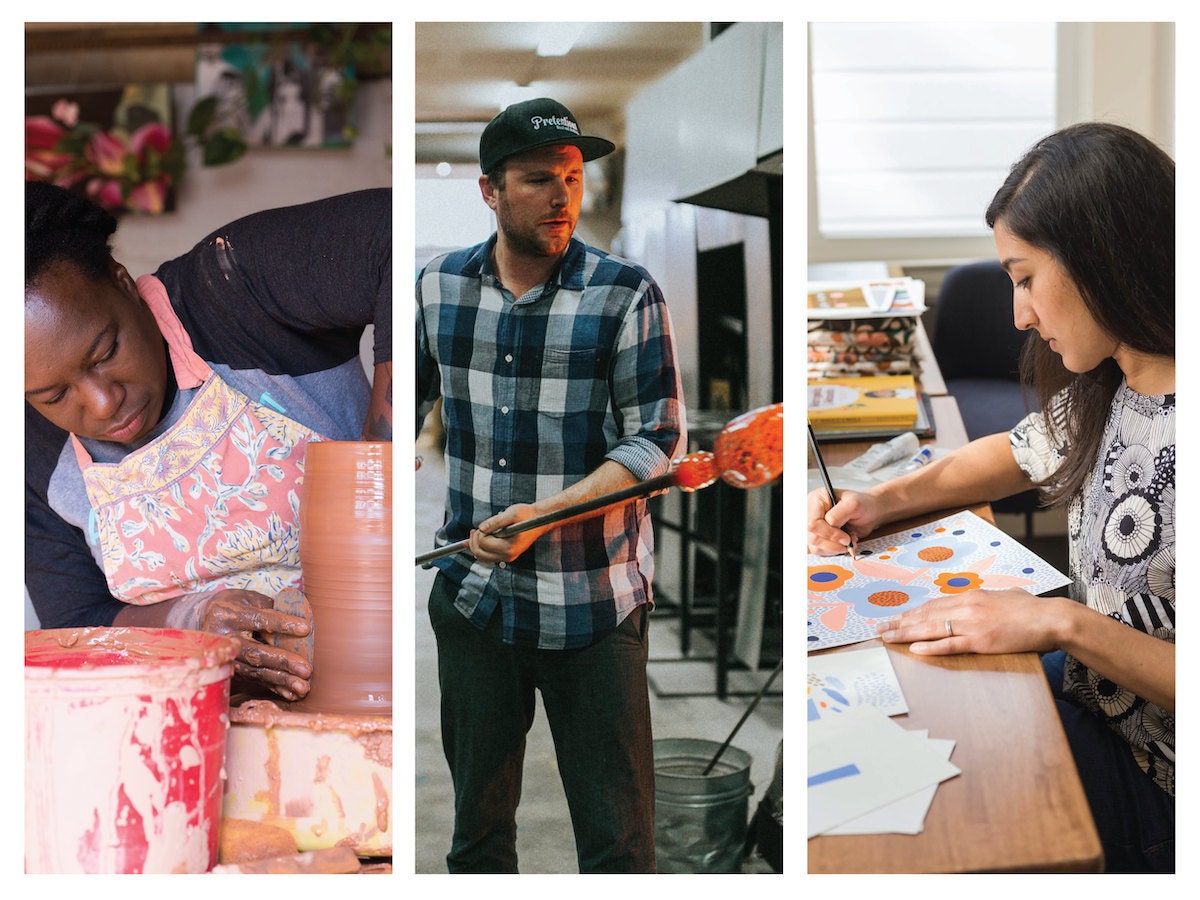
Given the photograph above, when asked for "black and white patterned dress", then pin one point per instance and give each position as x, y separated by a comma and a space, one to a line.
1122, 555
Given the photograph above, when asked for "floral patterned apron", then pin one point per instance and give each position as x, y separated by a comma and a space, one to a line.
211, 503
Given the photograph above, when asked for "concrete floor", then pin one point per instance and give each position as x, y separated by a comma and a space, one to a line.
544, 841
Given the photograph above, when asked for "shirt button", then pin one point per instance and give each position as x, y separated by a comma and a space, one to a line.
504, 409
502, 565
503, 463
508, 357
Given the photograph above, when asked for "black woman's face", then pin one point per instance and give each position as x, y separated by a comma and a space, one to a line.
95, 362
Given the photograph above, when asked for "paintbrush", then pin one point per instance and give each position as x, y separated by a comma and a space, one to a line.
812, 442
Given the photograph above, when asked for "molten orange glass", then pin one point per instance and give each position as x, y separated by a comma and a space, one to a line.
696, 470
749, 450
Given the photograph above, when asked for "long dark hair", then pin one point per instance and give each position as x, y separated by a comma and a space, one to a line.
1100, 199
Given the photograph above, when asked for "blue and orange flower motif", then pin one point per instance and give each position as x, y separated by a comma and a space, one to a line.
957, 582
934, 551
885, 599
827, 578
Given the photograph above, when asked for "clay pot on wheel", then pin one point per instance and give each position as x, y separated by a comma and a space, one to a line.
346, 561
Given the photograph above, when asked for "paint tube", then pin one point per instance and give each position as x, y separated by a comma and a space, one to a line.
919, 459
880, 455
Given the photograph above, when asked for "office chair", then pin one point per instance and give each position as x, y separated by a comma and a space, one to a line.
977, 347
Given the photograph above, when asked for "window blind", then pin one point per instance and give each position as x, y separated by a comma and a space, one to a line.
915, 124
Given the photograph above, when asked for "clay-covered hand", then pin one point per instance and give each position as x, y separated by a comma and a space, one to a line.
486, 547
249, 617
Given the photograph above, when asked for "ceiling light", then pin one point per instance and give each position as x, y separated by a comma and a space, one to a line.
557, 38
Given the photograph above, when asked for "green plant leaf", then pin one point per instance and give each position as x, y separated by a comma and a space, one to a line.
151, 163
201, 117
174, 161
224, 147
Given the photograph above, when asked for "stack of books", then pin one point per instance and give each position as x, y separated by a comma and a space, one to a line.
866, 407
864, 328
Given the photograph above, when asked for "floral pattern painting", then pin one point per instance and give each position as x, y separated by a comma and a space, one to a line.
892, 574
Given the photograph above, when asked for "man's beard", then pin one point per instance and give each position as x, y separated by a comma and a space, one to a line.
528, 240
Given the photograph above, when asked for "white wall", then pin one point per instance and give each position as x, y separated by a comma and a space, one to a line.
262, 179
708, 121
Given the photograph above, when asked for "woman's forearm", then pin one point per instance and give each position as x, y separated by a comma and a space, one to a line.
979, 472
1137, 661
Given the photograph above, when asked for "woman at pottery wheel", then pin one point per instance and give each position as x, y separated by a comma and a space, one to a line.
167, 416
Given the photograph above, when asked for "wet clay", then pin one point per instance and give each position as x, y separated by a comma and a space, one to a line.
346, 563
321, 767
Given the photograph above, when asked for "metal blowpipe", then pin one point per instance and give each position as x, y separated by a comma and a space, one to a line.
747, 453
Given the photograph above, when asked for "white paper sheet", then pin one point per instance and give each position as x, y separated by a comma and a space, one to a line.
906, 815
840, 681
860, 761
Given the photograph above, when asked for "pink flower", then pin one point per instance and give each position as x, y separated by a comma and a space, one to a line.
107, 153
106, 192
66, 111
153, 134
42, 161
150, 196
116, 170
43, 165
42, 133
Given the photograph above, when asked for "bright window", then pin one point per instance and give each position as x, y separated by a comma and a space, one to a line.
915, 124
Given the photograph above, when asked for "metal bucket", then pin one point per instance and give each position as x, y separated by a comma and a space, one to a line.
700, 820
124, 744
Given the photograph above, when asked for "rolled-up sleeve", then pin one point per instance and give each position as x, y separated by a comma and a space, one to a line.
646, 389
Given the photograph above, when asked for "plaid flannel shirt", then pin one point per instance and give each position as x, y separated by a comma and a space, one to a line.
537, 392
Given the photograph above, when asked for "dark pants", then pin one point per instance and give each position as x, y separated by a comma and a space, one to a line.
1134, 816
598, 708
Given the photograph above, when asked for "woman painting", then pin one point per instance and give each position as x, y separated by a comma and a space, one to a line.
1085, 227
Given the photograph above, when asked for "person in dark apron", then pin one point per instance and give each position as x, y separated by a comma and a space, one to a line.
167, 416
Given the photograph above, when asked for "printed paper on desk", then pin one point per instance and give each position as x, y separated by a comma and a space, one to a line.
906, 815
862, 760
892, 574
841, 681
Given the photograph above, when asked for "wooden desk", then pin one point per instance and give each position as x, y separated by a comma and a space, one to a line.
1018, 805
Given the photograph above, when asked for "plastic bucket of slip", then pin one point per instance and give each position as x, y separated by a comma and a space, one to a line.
124, 749
699, 820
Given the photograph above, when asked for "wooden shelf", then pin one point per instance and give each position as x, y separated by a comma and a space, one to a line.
73, 53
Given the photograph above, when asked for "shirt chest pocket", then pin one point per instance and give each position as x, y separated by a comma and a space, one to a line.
570, 381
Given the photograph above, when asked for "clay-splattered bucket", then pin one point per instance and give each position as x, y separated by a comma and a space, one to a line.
325, 778
124, 746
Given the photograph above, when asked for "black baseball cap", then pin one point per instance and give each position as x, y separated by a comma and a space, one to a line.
535, 123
